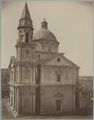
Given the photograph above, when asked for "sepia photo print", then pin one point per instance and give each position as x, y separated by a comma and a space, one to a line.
47, 59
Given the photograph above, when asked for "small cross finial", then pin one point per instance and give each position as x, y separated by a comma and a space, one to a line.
26, 4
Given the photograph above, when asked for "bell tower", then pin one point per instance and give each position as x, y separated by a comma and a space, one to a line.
25, 46
25, 64
25, 28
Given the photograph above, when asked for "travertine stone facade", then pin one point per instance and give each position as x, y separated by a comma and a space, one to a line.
49, 95
42, 81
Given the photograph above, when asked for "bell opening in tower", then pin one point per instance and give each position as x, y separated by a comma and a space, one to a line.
27, 38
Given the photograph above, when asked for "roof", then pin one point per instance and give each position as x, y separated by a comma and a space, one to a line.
25, 13
25, 20
64, 60
44, 34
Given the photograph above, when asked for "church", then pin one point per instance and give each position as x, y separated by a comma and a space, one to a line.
42, 80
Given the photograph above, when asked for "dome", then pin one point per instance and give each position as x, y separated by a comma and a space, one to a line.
44, 34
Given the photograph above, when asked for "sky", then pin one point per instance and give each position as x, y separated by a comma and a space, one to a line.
71, 22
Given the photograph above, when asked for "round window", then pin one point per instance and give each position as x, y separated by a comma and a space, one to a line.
58, 59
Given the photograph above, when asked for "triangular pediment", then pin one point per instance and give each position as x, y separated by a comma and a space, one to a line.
12, 61
60, 61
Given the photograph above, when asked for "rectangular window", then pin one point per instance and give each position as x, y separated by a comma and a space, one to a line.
58, 78
58, 105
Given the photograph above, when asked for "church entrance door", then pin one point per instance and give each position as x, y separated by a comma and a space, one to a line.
27, 108
58, 106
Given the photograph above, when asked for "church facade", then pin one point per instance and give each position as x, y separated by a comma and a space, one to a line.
42, 80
